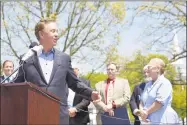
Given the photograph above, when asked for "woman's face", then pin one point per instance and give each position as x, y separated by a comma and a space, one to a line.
8, 68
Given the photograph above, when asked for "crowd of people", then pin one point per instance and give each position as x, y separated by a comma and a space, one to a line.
150, 101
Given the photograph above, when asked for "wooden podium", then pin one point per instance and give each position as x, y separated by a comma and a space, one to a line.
26, 104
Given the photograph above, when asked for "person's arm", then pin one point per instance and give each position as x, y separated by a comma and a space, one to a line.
154, 107
133, 103
126, 95
76, 85
100, 105
84, 103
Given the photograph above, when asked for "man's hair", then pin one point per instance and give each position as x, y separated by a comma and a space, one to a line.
113, 63
75, 68
40, 26
159, 63
4, 63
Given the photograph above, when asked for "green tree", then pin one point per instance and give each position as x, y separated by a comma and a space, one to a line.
179, 100
95, 78
83, 26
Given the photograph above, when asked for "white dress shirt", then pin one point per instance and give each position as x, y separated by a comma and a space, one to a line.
71, 98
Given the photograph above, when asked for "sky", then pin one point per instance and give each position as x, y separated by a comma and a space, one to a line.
131, 41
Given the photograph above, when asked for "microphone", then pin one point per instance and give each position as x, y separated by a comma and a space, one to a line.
33, 44
32, 51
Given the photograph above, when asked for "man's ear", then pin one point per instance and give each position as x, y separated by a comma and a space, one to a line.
40, 34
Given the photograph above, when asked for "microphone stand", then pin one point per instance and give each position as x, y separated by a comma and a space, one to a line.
12, 73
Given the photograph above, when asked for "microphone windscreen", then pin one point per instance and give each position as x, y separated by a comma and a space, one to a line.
37, 49
33, 44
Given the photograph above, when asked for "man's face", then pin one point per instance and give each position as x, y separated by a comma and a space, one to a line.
153, 71
49, 35
111, 71
76, 71
146, 73
8, 68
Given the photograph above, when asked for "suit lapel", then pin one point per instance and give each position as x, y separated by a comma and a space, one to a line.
116, 86
3, 77
38, 67
56, 64
103, 88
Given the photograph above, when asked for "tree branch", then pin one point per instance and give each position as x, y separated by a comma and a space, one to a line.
41, 9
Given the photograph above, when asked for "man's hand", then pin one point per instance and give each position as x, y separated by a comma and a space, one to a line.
137, 112
143, 115
144, 121
111, 112
96, 97
109, 107
72, 112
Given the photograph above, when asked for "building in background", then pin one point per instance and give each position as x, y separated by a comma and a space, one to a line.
180, 64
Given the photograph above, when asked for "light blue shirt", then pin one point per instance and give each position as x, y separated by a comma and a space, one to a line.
160, 91
46, 62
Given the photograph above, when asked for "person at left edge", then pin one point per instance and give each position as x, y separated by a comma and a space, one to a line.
52, 69
8, 68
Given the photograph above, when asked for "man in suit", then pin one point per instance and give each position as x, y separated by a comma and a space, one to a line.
115, 93
78, 104
8, 68
52, 71
135, 97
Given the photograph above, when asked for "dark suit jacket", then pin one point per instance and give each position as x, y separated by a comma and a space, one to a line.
62, 77
2, 78
80, 103
135, 100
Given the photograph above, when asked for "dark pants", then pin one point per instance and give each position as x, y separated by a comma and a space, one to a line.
136, 121
74, 122
120, 113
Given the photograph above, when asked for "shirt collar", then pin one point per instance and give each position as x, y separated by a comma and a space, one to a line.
50, 52
110, 80
6, 76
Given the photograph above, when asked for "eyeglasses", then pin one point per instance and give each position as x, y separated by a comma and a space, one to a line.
152, 67
111, 69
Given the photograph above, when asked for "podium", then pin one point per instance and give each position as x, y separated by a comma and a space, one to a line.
27, 104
